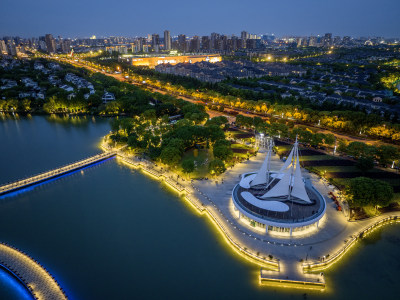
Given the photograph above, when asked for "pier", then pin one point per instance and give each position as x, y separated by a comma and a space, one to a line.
42, 177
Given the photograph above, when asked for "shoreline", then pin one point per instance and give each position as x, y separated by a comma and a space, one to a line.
277, 271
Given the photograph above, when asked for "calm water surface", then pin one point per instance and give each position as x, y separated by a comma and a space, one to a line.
109, 232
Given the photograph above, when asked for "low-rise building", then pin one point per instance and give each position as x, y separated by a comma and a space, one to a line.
108, 97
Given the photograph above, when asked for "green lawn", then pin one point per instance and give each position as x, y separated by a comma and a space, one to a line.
316, 157
203, 158
239, 134
346, 169
240, 150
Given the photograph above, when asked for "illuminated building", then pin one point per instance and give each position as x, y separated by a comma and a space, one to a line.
50, 43
167, 40
3, 48
155, 42
279, 201
313, 41
194, 44
327, 40
182, 43
153, 61
205, 43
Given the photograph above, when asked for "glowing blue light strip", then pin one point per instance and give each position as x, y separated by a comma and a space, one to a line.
32, 186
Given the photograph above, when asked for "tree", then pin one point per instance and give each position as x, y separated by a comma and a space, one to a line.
342, 146
220, 121
216, 167
358, 149
95, 100
126, 125
188, 166
363, 191
360, 191
386, 154
317, 139
114, 125
222, 152
365, 164
170, 156
329, 139
25, 105
383, 193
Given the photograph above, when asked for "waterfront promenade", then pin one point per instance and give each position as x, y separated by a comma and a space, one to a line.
40, 283
288, 259
23, 183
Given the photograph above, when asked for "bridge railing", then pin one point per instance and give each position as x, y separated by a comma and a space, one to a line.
62, 169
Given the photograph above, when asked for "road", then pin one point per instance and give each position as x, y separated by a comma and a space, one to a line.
228, 111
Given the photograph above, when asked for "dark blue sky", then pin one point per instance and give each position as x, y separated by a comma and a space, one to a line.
83, 18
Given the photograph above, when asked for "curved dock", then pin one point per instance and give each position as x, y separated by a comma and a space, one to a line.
35, 277
20, 184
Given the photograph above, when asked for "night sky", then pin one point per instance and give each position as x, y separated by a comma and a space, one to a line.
83, 18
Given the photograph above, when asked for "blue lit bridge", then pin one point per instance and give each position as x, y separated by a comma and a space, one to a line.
42, 177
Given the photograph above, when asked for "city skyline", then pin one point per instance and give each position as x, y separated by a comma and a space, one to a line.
358, 18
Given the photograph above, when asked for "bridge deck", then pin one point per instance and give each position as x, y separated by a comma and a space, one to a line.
35, 277
16, 185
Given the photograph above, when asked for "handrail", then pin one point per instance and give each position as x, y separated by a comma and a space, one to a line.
18, 184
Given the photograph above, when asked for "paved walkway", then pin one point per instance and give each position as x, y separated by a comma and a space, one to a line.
333, 234
35, 277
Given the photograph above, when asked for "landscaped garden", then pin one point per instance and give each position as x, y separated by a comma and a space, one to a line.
345, 172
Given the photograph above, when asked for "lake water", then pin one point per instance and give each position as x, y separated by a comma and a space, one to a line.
108, 232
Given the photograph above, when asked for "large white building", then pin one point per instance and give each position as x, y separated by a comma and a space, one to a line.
280, 201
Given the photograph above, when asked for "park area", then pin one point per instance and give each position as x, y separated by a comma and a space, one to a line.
338, 170
201, 156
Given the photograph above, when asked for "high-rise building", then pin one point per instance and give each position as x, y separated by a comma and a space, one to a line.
214, 42
233, 43
313, 41
12, 50
3, 47
251, 44
194, 44
182, 43
346, 40
50, 43
167, 40
244, 36
327, 41
205, 43
337, 40
66, 46
155, 42
139, 44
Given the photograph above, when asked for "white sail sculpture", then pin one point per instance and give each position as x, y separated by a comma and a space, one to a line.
298, 188
291, 184
262, 176
288, 161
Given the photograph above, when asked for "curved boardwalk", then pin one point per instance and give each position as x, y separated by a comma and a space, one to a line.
16, 185
35, 277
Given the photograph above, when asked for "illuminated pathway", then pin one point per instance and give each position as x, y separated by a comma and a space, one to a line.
17, 185
35, 277
285, 261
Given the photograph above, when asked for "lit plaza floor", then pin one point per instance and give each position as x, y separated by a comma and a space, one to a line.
331, 235
310, 246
